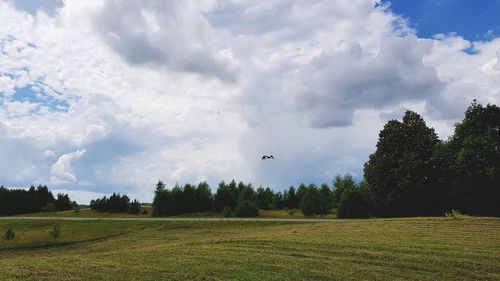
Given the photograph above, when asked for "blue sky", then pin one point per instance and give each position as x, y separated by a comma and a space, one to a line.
111, 96
475, 20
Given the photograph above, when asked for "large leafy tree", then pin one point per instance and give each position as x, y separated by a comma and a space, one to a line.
475, 147
400, 171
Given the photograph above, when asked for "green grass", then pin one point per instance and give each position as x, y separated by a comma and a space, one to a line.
394, 249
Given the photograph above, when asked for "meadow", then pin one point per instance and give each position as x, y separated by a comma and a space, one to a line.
373, 249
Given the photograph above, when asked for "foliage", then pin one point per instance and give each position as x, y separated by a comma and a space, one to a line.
50, 207
226, 196
9, 234
115, 203
203, 198
246, 208
340, 184
56, 231
21, 201
399, 171
475, 154
227, 212
134, 207
355, 202
265, 198
310, 200
62, 203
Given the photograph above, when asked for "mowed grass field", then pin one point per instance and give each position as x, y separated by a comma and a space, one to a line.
375, 249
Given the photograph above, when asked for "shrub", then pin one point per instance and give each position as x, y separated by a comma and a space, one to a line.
145, 212
56, 231
246, 208
9, 233
291, 212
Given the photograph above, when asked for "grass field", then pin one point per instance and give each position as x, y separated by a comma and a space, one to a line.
395, 249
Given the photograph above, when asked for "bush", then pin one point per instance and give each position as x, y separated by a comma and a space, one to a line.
246, 208
56, 231
145, 212
9, 233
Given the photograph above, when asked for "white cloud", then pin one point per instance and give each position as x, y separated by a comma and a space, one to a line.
166, 33
62, 171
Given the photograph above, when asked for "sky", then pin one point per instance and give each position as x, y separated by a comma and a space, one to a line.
111, 96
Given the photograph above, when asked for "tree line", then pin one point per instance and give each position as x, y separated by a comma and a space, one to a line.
115, 203
21, 201
243, 200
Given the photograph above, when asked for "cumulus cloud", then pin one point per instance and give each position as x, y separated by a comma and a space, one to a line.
334, 84
62, 171
173, 34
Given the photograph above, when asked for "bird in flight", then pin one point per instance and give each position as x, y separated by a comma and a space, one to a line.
267, 157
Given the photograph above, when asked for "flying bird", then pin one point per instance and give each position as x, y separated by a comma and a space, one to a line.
267, 157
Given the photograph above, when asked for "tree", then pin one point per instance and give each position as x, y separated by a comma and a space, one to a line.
301, 191
340, 184
134, 207
310, 200
203, 198
475, 149
115, 203
399, 171
292, 200
19, 201
325, 201
62, 203
246, 208
159, 200
226, 196
264, 198
188, 204
355, 202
